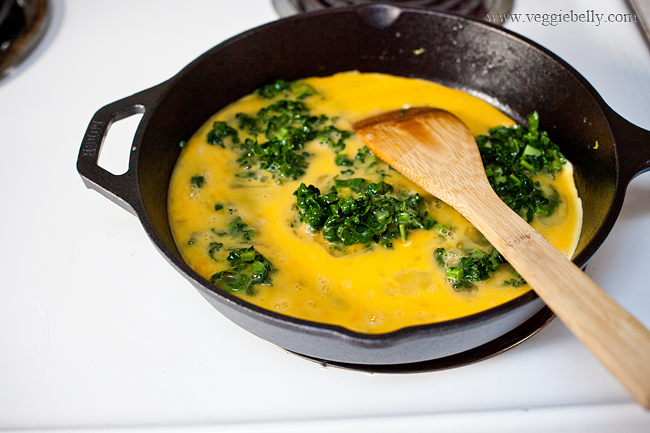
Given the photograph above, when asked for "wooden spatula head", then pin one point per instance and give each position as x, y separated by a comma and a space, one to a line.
432, 147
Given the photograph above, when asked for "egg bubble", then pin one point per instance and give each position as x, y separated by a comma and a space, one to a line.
323, 283
374, 319
452, 257
281, 305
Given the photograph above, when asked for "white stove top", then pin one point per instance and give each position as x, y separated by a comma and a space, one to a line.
97, 331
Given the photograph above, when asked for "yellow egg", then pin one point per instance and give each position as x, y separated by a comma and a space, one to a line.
363, 288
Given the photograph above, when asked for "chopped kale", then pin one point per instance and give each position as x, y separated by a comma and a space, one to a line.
302, 90
270, 91
280, 156
280, 132
237, 227
475, 266
333, 137
299, 89
356, 211
249, 123
342, 159
248, 268
443, 230
213, 248
364, 153
277, 133
197, 181
220, 234
516, 280
511, 156
221, 130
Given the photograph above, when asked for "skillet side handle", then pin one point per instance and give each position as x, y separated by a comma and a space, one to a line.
633, 143
120, 189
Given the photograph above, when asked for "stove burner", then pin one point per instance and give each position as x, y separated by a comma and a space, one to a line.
470, 8
22, 26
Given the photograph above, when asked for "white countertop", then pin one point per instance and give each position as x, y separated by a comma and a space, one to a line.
97, 331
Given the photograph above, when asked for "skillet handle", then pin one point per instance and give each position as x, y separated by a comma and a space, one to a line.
633, 143
121, 189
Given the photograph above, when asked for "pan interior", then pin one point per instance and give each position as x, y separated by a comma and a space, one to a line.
508, 72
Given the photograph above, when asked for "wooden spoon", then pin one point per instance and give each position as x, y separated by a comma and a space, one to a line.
437, 151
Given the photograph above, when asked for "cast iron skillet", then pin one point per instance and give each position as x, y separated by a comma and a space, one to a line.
507, 70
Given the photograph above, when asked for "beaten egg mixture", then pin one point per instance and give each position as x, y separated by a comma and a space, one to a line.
214, 200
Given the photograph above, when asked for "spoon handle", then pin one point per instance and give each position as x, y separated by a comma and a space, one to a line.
616, 338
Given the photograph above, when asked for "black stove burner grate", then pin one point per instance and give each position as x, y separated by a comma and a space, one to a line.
23, 24
470, 8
